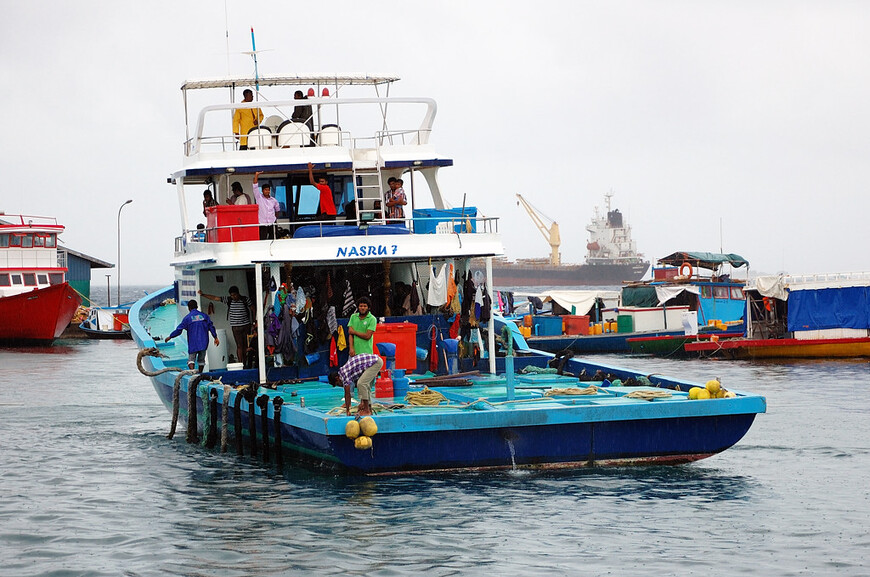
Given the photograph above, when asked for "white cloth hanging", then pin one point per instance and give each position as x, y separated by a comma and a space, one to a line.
438, 288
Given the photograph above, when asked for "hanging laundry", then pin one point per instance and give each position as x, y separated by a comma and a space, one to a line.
349, 303
300, 299
438, 288
342, 342
451, 286
486, 307
454, 327
333, 353
415, 308
331, 321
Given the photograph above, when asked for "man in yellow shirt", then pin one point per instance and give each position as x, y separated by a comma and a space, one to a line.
244, 119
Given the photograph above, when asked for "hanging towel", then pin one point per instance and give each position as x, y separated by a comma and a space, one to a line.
454, 327
415, 300
486, 308
342, 343
451, 287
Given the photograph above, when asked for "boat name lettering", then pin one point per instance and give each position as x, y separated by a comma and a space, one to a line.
366, 250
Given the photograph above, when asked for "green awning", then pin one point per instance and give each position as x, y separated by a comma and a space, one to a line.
708, 260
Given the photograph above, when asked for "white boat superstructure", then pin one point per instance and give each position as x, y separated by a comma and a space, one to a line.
610, 239
28, 254
356, 144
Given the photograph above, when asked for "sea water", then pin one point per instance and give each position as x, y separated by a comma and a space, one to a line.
91, 486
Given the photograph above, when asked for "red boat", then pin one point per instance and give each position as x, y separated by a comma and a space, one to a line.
36, 302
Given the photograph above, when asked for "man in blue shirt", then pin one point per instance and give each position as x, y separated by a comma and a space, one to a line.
198, 326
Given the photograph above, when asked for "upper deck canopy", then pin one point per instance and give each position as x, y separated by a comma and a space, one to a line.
708, 260
308, 80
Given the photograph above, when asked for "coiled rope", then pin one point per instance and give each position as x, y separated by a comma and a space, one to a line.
649, 395
590, 390
425, 397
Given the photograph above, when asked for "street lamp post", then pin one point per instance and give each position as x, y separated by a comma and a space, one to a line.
119, 249
108, 291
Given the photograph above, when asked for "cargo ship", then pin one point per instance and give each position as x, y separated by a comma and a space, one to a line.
611, 255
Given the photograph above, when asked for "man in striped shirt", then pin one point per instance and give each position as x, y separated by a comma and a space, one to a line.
240, 311
361, 370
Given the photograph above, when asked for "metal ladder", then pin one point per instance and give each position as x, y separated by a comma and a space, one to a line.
368, 188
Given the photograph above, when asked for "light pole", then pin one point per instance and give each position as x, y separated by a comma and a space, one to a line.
119, 249
108, 291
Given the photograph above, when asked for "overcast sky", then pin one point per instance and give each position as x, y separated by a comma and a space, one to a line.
735, 125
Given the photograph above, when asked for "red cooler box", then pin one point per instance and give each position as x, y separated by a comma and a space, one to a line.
576, 324
243, 218
404, 336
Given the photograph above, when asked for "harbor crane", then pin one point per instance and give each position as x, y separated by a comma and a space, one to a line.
551, 232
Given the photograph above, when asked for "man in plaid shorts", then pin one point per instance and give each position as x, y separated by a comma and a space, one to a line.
361, 370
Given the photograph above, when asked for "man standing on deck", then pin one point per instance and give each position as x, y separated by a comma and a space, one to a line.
268, 208
240, 311
244, 119
361, 327
361, 370
238, 197
198, 326
327, 204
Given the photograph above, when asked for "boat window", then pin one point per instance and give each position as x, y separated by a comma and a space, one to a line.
737, 293
55, 277
29, 279
15, 240
16, 279
27, 241
720, 292
706, 292
51, 241
4, 240
4, 279
309, 200
42, 278
38, 241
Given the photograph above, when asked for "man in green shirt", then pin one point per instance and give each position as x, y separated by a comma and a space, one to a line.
361, 328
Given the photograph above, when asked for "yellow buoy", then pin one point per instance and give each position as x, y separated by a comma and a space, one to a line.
703, 394
368, 427
351, 429
713, 386
720, 394
730, 394
693, 392
363, 443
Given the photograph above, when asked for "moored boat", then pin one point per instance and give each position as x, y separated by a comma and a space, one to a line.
801, 316
653, 316
107, 323
36, 302
451, 397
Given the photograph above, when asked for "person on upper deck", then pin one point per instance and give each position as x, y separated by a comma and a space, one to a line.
207, 201
268, 208
244, 119
238, 197
327, 204
302, 112
396, 200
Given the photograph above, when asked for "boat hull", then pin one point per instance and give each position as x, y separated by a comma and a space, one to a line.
518, 274
783, 348
39, 316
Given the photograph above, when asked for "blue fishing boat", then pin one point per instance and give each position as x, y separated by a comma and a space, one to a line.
107, 322
461, 388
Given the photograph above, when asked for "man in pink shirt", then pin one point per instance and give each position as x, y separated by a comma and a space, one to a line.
327, 204
267, 207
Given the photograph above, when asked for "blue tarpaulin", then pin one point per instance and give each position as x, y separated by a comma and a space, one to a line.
829, 308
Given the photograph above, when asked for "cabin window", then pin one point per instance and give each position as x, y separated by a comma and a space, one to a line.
42, 278
4, 279
706, 292
29, 279
27, 241
55, 277
51, 241
16, 279
737, 293
4, 240
309, 200
720, 292
38, 241
15, 240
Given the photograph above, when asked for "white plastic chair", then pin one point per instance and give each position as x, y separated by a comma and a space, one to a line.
330, 135
293, 135
259, 137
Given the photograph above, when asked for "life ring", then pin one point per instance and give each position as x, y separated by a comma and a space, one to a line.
685, 266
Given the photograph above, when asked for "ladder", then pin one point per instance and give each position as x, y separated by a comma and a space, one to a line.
369, 193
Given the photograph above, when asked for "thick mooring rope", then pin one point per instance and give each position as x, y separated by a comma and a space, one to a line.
425, 397
649, 395
225, 409
590, 390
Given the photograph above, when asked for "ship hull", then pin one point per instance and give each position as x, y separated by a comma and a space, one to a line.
37, 317
518, 274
